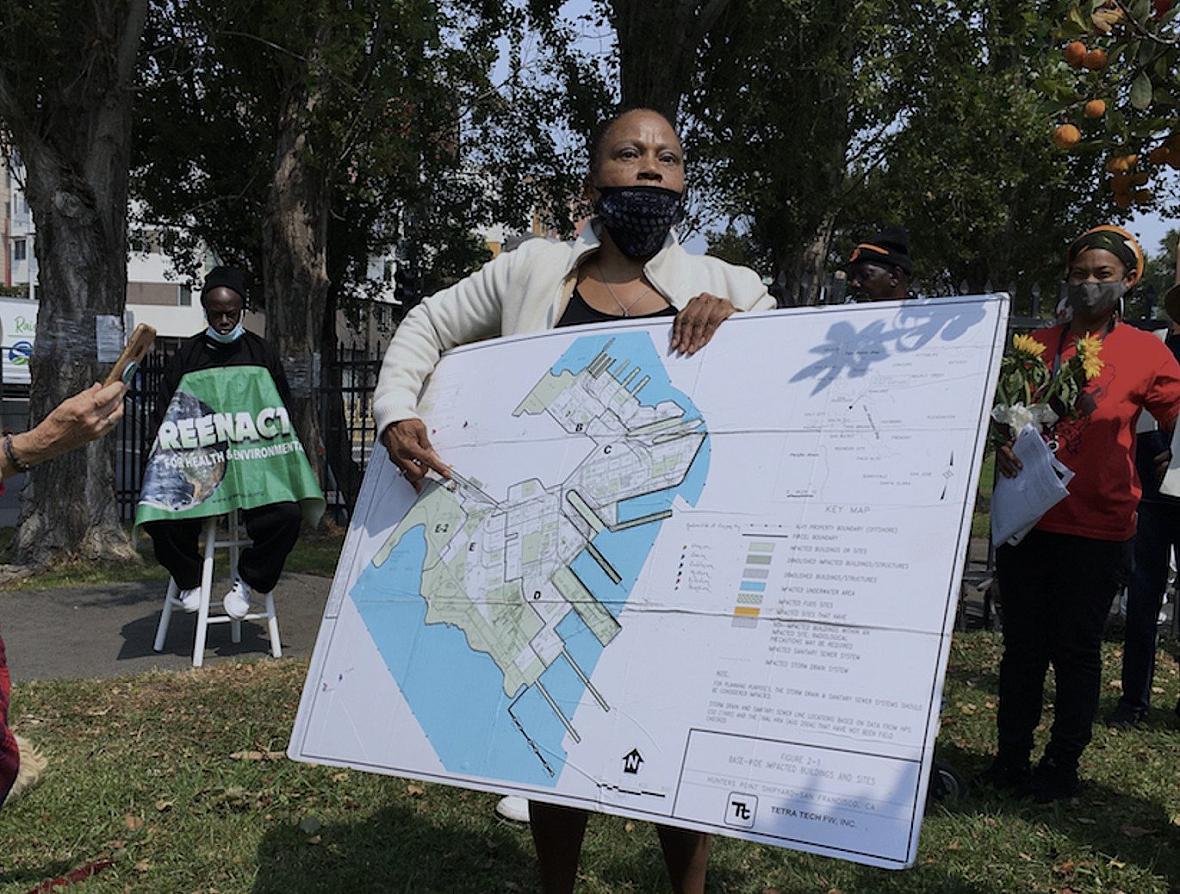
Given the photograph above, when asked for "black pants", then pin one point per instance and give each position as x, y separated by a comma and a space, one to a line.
1158, 535
273, 530
1056, 591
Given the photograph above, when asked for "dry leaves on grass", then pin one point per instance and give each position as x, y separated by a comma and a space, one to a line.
258, 756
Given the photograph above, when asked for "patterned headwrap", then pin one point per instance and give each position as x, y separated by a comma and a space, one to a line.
1113, 239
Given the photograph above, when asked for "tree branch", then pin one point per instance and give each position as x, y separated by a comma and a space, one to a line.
1143, 32
128, 49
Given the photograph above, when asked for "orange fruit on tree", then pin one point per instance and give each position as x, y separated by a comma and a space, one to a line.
1173, 142
1095, 60
1138, 179
1159, 155
1122, 199
1120, 182
1074, 53
1095, 108
1143, 196
1120, 164
1066, 136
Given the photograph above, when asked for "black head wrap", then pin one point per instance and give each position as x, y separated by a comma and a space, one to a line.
226, 278
890, 246
1115, 240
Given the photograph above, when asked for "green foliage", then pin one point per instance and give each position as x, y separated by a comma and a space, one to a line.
791, 99
989, 201
1159, 273
401, 86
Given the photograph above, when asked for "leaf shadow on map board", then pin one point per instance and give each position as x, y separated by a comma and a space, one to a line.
853, 352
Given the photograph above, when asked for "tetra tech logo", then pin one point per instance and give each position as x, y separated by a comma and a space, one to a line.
741, 810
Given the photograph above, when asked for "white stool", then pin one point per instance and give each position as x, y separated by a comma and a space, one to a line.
234, 543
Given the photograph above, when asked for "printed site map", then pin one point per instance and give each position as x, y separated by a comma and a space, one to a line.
525, 579
714, 591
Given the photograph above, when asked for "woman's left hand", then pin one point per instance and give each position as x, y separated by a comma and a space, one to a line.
695, 324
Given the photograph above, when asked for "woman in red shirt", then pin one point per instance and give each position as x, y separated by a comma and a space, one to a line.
1057, 584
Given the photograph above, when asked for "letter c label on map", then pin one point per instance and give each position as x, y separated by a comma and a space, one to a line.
606, 449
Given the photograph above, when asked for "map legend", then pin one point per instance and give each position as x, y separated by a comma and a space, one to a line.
753, 586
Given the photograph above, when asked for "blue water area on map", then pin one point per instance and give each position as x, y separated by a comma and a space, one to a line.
451, 689
629, 349
580, 642
752, 586
455, 693
564, 686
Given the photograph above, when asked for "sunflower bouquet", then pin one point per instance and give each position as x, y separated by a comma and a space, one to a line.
1029, 392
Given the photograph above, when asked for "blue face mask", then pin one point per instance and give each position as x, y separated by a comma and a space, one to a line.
228, 337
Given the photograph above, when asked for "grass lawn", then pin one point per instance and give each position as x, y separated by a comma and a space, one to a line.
155, 773
315, 553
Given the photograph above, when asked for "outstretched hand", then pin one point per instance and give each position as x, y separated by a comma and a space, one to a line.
409, 447
77, 420
695, 324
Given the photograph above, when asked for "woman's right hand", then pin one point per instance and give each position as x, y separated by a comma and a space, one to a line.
1007, 462
410, 449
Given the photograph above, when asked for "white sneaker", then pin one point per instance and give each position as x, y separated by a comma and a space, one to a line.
190, 600
237, 601
513, 808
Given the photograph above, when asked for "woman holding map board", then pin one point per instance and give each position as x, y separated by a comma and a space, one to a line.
627, 264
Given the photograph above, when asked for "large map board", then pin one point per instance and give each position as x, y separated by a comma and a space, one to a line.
712, 591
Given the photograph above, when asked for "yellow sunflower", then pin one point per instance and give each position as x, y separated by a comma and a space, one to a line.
1026, 344
1088, 350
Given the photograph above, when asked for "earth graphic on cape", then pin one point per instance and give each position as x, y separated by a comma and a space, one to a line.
174, 485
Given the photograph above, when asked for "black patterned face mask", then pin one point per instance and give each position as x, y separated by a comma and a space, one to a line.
638, 218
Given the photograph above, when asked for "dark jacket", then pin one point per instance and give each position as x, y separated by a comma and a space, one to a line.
199, 352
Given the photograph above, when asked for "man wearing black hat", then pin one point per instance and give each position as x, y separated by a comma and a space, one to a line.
880, 270
273, 528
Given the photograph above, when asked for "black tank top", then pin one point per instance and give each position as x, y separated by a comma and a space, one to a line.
579, 312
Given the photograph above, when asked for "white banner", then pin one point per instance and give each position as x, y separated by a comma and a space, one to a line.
18, 333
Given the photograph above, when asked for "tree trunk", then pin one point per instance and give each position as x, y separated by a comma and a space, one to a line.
806, 267
337, 439
77, 176
294, 258
658, 43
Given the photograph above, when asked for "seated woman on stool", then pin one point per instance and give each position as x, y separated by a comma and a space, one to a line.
273, 528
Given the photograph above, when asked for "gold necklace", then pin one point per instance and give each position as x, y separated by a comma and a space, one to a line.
625, 308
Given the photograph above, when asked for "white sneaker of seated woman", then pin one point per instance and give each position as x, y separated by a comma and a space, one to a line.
513, 808
190, 600
237, 601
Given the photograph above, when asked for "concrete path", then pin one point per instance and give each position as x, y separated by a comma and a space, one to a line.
107, 631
